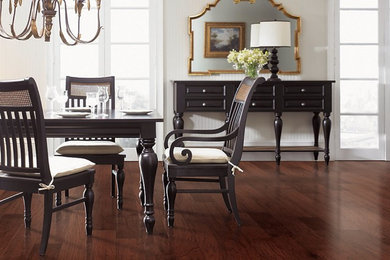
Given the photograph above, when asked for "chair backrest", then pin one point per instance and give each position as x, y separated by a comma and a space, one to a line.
78, 87
236, 119
22, 131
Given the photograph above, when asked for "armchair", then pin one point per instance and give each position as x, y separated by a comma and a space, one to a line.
209, 164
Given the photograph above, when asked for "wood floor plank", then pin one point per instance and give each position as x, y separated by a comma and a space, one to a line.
298, 210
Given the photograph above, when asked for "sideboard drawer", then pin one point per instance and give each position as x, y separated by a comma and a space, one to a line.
264, 91
303, 104
206, 105
303, 90
205, 90
261, 104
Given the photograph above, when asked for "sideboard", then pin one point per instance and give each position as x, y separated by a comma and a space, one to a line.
272, 96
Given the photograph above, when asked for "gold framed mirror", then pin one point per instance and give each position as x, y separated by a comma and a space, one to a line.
239, 12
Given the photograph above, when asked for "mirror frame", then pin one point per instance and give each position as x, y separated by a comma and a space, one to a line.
279, 7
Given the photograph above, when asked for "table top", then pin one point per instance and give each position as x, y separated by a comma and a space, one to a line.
111, 116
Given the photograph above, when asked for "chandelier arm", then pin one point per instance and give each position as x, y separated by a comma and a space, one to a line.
34, 28
3, 33
68, 30
28, 36
26, 29
71, 34
62, 36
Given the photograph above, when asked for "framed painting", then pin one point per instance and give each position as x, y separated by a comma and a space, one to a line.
220, 38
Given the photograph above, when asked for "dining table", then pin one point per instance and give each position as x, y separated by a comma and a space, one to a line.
118, 125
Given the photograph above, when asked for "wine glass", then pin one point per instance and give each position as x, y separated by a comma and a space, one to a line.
120, 94
51, 96
103, 98
62, 99
91, 101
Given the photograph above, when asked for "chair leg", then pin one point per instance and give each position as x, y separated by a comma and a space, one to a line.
27, 197
222, 184
165, 183
113, 181
67, 193
48, 210
171, 193
58, 198
120, 179
232, 198
88, 203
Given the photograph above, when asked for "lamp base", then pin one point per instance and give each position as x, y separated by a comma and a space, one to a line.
274, 68
274, 79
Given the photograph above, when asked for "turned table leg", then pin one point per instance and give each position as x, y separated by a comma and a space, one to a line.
139, 149
148, 166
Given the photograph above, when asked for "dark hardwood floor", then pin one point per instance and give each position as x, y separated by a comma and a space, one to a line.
299, 210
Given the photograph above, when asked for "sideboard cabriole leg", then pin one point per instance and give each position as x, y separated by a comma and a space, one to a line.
316, 121
278, 125
139, 149
326, 124
148, 166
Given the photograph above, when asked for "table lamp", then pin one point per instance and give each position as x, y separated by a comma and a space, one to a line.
274, 34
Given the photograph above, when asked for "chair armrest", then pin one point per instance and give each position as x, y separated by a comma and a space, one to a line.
193, 131
187, 152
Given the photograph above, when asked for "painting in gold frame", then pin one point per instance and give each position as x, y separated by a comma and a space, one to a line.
222, 37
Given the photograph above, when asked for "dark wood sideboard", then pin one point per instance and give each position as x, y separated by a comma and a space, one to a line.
277, 96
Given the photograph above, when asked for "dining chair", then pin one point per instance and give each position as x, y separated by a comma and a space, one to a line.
25, 167
100, 150
209, 164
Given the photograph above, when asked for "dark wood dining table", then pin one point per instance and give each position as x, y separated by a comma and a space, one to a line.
119, 125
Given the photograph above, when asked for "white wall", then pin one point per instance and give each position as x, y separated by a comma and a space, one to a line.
21, 59
24, 59
297, 127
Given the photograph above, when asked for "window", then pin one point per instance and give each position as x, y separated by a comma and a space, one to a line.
359, 78
124, 49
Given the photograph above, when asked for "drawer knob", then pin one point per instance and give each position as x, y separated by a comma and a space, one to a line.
203, 90
303, 90
204, 104
303, 104
253, 104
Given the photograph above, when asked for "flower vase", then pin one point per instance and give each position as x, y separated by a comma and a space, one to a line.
252, 72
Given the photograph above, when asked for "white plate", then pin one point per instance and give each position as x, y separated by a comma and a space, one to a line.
78, 109
73, 114
136, 112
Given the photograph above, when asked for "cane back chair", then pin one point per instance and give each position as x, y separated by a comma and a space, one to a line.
25, 167
98, 150
209, 164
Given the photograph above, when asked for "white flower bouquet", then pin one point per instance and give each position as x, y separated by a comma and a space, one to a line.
249, 60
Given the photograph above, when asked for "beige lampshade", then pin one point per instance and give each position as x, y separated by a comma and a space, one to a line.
255, 35
274, 34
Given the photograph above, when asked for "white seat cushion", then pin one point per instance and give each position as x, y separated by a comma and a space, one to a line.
200, 155
89, 147
62, 166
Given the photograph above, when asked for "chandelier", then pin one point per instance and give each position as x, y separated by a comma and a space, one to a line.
46, 10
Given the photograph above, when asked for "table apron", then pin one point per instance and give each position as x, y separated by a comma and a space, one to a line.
146, 130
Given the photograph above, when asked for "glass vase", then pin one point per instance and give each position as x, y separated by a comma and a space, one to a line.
252, 71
